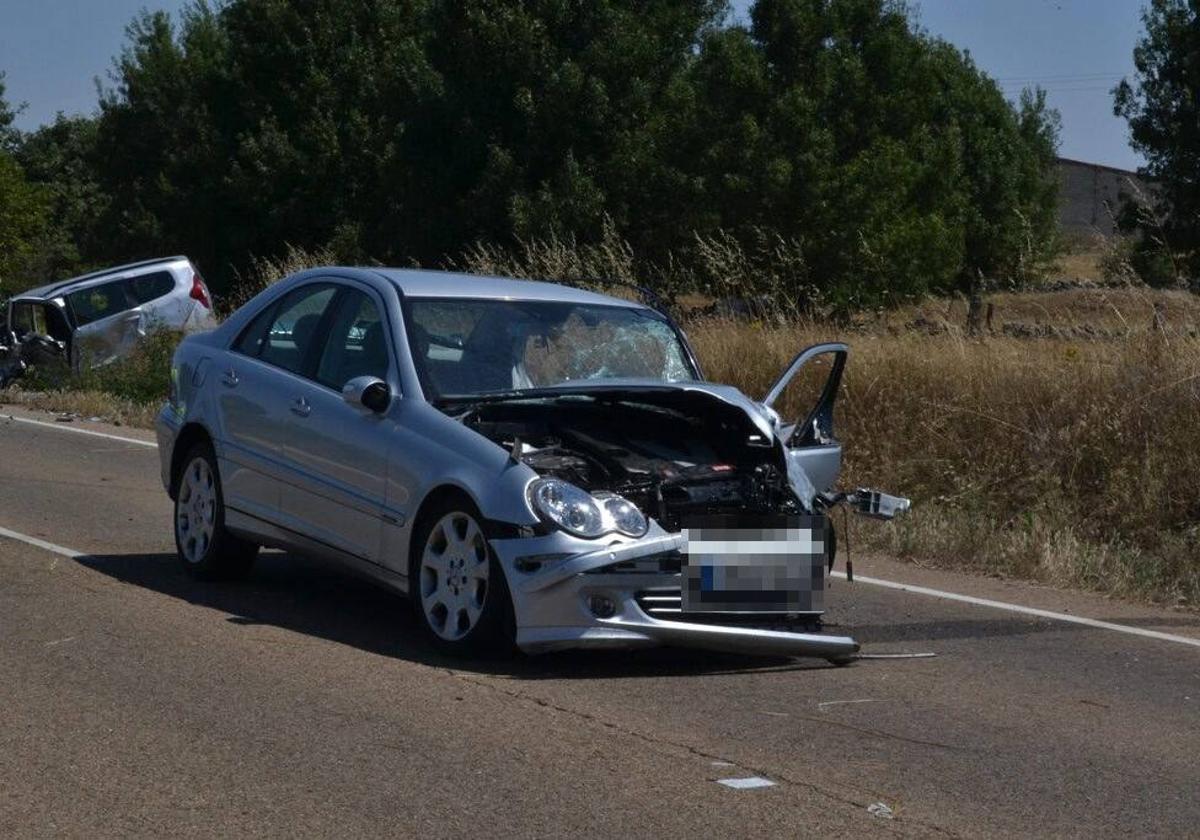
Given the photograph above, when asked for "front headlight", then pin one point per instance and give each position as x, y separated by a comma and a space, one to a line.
580, 513
623, 514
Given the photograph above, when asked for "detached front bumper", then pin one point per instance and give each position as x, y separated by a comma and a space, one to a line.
571, 593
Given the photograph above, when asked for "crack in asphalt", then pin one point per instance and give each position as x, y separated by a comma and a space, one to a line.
866, 730
699, 752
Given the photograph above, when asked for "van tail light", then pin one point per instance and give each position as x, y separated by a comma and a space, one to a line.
200, 292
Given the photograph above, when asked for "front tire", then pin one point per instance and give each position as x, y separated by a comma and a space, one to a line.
206, 548
456, 584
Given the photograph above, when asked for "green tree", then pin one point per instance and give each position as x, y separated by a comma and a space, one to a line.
61, 157
897, 165
23, 215
1162, 106
405, 130
551, 109
23, 209
396, 130
10, 138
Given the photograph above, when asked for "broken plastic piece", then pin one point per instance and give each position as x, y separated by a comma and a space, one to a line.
876, 504
878, 809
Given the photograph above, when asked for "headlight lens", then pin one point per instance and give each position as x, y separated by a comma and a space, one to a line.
568, 507
623, 514
582, 514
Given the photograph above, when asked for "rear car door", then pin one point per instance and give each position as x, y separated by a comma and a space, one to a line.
254, 380
337, 453
108, 322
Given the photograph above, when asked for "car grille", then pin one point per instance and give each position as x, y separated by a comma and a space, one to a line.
666, 562
666, 604
661, 603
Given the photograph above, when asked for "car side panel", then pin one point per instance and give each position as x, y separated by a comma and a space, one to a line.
429, 450
336, 457
109, 338
172, 310
247, 402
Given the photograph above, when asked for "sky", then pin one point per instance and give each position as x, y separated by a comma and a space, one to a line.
52, 51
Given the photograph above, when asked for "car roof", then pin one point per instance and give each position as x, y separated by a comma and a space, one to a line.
62, 287
419, 283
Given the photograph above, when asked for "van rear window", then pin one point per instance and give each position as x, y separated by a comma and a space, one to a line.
150, 287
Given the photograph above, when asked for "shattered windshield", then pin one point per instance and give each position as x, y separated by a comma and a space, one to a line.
464, 347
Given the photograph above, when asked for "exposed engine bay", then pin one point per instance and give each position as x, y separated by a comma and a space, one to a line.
672, 455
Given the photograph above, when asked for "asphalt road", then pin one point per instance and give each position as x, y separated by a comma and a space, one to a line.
134, 701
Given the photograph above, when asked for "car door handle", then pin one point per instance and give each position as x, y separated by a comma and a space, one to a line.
301, 407
230, 378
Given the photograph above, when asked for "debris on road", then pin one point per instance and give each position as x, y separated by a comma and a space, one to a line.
748, 784
878, 809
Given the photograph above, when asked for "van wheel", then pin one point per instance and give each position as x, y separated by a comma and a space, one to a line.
206, 548
456, 584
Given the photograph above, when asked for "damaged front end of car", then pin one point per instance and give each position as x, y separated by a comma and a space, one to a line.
674, 513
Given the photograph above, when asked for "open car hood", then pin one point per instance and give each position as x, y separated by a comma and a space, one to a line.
685, 397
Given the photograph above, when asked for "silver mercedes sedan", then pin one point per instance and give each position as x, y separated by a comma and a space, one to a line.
532, 464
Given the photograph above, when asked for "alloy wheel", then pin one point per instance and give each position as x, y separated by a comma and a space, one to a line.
454, 576
196, 510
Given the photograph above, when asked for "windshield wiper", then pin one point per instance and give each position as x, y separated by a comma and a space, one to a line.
495, 396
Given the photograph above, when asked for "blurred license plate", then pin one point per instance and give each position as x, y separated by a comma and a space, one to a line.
775, 564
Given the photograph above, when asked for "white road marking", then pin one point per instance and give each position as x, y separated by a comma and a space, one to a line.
746, 784
65, 428
60, 641
42, 544
887, 584
1022, 610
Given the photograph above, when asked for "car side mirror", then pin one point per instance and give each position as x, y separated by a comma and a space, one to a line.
369, 392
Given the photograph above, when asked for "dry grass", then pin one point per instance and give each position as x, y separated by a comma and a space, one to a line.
267, 270
1098, 313
1081, 265
1060, 445
1072, 462
88, 404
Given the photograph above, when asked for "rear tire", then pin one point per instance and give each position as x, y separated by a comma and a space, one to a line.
207, 550
457, 586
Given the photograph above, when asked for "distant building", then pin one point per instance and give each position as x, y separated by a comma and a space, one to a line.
1092, 194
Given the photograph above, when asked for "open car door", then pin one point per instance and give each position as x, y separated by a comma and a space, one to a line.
806, 411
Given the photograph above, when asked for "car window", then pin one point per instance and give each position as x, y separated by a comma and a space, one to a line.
462, 346
98, 302
150, 287
56, 322
356, 343
293, 330
250, 342
28, 319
